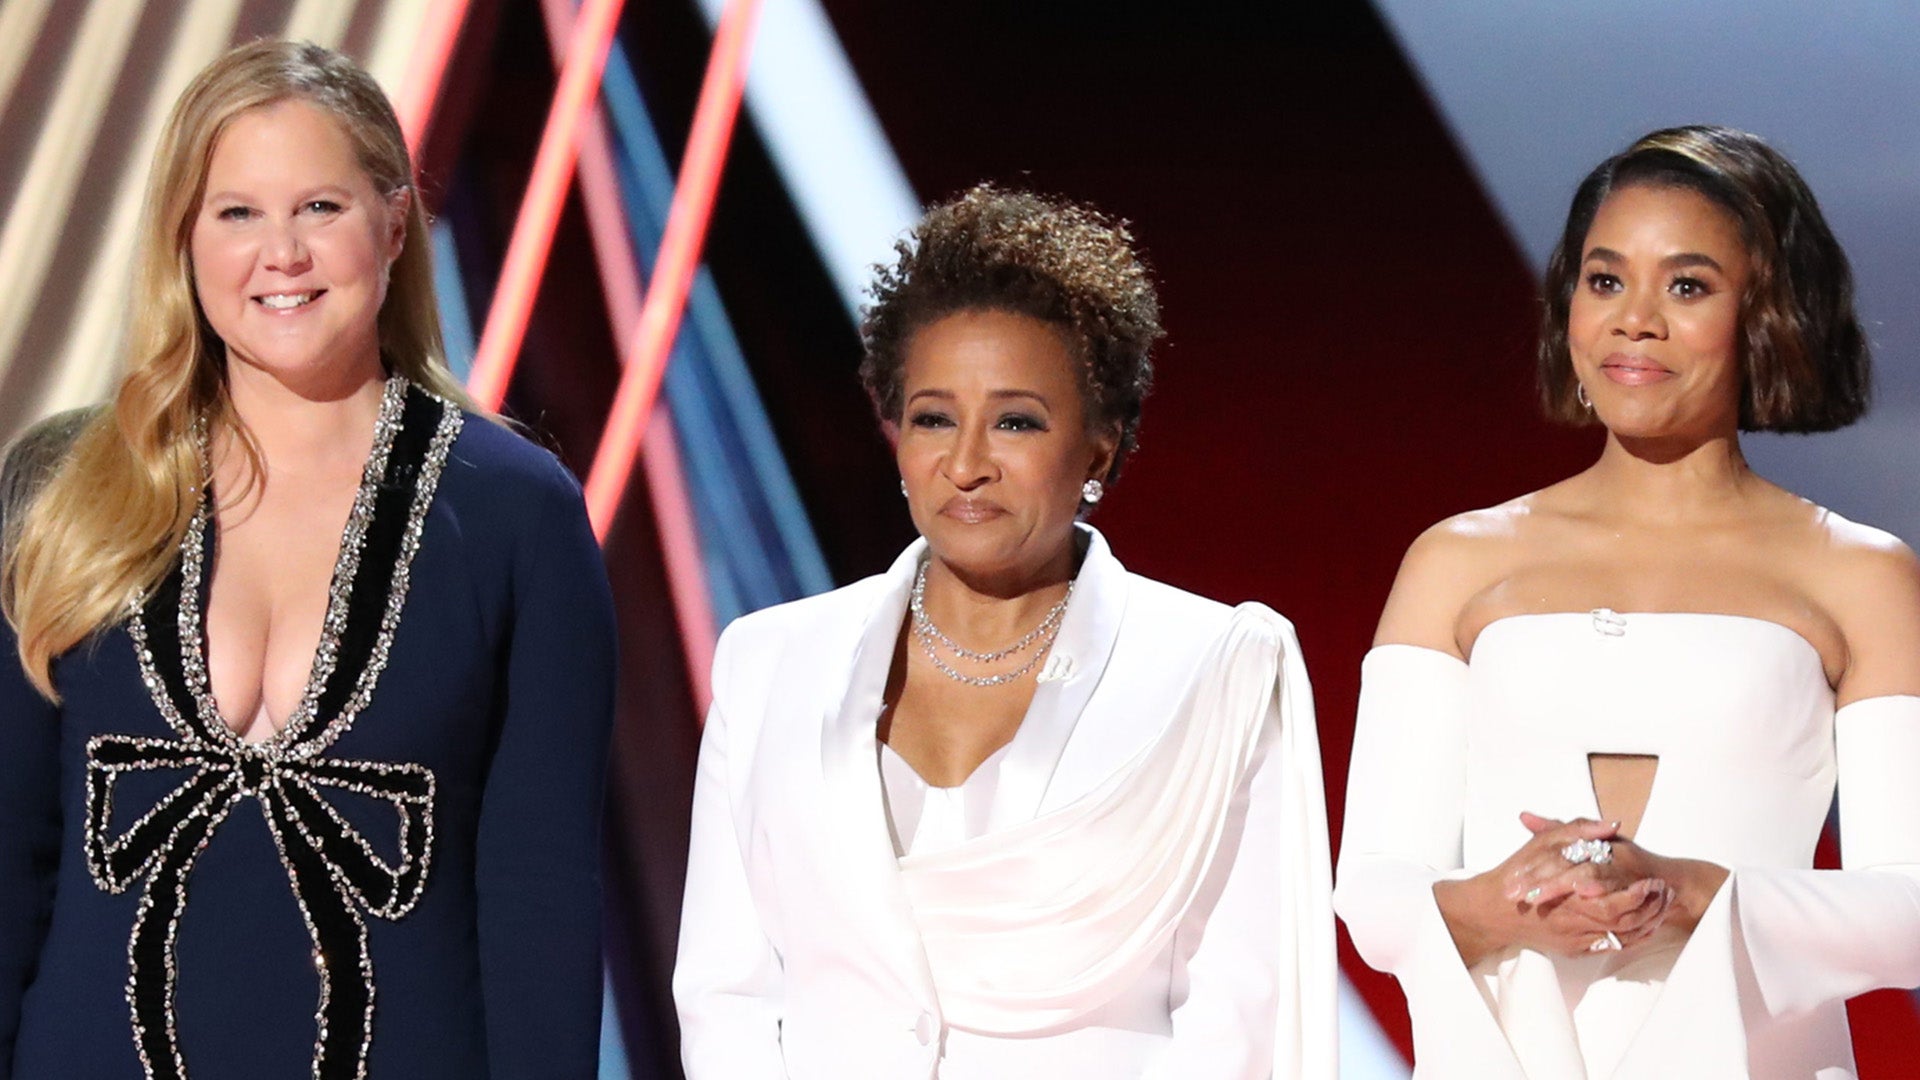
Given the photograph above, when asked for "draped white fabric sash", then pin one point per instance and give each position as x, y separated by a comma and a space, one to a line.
1029, 927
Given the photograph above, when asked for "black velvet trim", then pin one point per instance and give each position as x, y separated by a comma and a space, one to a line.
341, 939
152, 835
380, 552
407, 784
150, 992
162, 617
330, 872
121, 750
347, 857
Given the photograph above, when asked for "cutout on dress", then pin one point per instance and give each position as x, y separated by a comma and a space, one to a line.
1622, 785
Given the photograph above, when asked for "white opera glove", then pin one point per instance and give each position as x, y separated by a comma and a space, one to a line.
1406, 797
1815, 936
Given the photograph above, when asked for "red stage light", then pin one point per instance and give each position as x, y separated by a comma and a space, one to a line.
527, 252
713, 121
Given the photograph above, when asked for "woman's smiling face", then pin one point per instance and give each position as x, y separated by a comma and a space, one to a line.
995, 441
1655, 323
291, 245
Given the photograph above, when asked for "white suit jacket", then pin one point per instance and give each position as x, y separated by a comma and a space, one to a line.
799, 955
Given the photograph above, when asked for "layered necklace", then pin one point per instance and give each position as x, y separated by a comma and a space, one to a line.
933, 642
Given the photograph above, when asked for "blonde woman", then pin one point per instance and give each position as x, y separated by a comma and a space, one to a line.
301, 755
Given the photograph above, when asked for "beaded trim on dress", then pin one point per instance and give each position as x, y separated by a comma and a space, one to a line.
333, 870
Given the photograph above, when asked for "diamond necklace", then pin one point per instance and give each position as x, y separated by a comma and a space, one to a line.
931, 639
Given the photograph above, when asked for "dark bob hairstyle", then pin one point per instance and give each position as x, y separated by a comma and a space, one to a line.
1805, 362
1024, 254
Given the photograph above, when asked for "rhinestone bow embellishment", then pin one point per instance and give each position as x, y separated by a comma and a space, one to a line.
334, 871
333, 868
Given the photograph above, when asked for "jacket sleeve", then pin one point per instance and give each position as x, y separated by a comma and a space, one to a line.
1816, 936
728, 982
29, 805
1255, 977
538, 858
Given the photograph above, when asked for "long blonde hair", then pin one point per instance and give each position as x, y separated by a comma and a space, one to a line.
108, 525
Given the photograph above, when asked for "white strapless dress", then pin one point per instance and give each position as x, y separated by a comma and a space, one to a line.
1740, 716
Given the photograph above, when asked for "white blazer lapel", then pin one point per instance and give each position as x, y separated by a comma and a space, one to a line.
1066, 682
850, 775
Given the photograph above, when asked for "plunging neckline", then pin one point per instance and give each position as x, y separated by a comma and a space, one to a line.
413, 436
203, 538
335, 873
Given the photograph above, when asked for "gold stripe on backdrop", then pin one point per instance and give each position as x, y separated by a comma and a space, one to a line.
323, 22
43, 203
91, 360
394, 41
36, 237
20, 22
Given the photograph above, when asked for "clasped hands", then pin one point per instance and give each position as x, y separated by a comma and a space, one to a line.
1539, 900
1591, 906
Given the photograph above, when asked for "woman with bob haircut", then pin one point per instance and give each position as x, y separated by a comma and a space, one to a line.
1007, 810
1602, 724
302, 751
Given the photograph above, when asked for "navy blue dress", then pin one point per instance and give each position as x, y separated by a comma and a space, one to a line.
404, 884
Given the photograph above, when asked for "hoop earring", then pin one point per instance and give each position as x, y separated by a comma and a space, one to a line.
1092, 491
1580, 392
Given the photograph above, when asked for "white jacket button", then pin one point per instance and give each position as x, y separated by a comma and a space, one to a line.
925, 1029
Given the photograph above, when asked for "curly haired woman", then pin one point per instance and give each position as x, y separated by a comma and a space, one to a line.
1007, 810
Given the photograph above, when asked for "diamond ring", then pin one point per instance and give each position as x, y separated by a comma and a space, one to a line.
1595, 851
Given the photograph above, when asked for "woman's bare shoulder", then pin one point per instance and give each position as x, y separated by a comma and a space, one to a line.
1861, 543
1868, 580
1479, 543
1449, 564
1845, 560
